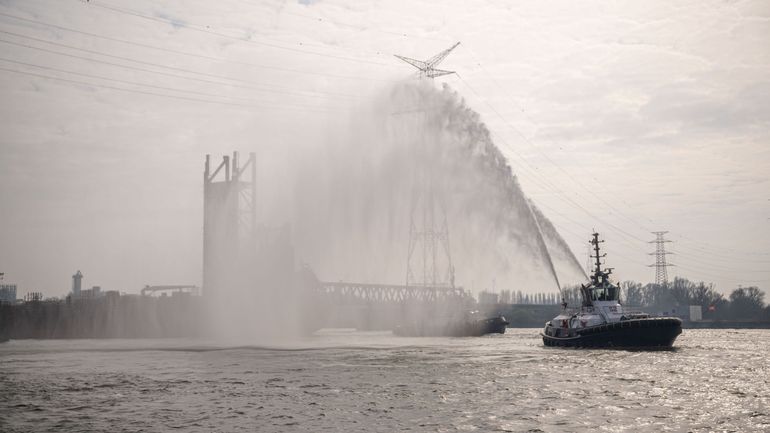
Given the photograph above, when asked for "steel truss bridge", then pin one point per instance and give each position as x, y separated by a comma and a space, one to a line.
344, 293
183, 288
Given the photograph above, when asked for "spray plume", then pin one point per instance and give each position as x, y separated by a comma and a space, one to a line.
353, 197
349, 201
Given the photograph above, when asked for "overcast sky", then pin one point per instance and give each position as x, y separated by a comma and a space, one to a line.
624, 117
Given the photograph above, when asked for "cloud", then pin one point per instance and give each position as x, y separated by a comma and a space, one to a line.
661, 109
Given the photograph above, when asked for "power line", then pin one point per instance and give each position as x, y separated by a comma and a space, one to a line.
128, 59
223, 35
550, 160
496, 112
196, 55
557, 190
711, 265
359, 27
543, 183
173, 68
527, 140
723, 249
560, 168
618, 212
720, 276
207, 29
118, 57
134, 83
568, 199
184, 98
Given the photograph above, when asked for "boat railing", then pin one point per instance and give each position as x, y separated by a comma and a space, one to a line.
571, 311
635, 314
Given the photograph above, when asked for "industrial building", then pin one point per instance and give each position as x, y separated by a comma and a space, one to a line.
79, 293
8, 293
77, 280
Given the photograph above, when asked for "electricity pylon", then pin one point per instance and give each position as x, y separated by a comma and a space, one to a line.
428, 236
661, 273
428, 67
428, 230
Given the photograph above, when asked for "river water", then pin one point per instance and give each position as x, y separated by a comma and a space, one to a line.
714, 380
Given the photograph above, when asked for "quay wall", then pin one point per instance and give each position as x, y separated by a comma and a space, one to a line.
104, 317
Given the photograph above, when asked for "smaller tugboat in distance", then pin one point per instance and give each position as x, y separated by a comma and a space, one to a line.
603, 322
471, 325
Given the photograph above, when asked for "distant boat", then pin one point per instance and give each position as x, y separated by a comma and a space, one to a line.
471, 325
603, 322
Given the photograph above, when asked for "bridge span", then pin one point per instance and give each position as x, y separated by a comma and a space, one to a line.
346, 293
380, 306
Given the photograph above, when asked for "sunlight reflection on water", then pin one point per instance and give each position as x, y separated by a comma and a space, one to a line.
342, 380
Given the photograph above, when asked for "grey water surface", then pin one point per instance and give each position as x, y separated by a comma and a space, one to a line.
337, 380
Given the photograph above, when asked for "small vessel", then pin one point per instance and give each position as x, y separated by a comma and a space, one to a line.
471, 325
602, 321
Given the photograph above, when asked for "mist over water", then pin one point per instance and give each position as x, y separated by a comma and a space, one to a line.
715, 380
353, 198
257, 299
342, 206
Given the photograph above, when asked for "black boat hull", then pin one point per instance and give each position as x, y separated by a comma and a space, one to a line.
476, 328
658, 332
495, 325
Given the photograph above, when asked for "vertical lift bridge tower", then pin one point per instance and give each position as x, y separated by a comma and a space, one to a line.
229, 219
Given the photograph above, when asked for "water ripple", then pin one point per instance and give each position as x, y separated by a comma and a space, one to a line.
715, 380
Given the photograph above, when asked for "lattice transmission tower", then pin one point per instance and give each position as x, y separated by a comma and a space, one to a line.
429, 262
427, 68
660, 265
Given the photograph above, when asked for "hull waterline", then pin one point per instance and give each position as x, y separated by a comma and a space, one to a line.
659, 332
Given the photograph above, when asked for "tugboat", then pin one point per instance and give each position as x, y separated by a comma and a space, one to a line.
603, 322
472, 325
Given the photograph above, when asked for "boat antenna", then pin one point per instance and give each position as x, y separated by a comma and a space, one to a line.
595, 242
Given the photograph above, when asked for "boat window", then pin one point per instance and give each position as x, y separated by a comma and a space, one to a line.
599, 294
606, 293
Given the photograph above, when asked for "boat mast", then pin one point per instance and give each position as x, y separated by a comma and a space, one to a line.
586, 291
599, 277
595, 241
